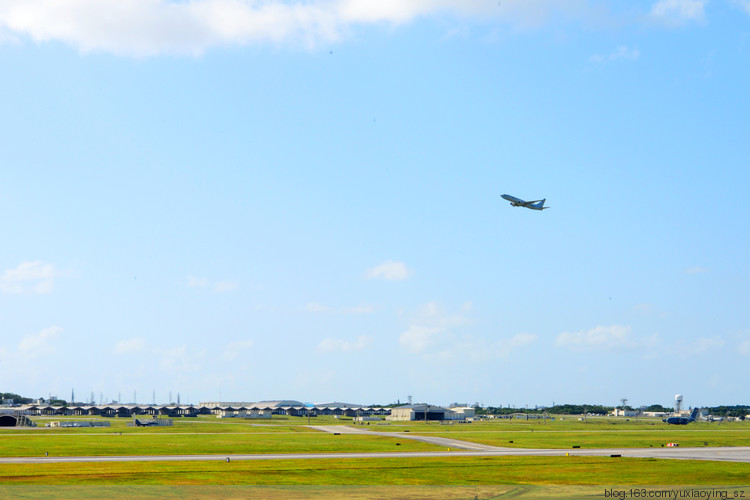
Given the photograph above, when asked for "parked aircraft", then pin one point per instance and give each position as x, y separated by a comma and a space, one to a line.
518, 202
682, 420
147, 423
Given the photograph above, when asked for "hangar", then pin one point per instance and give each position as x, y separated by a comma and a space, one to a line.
431, 412
15, 419
282, 407
418, 412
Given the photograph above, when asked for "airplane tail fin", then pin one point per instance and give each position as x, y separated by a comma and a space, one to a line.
694, 414
541, 204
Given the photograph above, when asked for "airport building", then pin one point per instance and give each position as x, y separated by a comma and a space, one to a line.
14, 418
264, 408
430, 412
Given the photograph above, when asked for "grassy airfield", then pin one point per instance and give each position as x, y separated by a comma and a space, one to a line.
290, 435
595, 432
193, 436
388, 471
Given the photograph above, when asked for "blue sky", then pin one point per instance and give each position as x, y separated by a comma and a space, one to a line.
277, 200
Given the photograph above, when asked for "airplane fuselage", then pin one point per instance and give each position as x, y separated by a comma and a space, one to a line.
678, 420
518, 202
682, 420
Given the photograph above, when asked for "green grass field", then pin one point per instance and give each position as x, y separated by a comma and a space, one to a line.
594, 433
290, 435
391, 471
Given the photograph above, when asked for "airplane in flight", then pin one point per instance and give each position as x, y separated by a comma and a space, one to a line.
682, 420
533, 205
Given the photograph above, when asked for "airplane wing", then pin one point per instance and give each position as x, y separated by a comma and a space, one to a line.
531, 202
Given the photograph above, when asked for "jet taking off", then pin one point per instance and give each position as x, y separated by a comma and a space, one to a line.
517, 202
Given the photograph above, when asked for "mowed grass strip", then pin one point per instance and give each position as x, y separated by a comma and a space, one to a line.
592, 424
644, 439
204, 424
596, 433
391, 471
147, 443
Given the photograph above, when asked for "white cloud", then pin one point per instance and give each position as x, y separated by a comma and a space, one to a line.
419, 337
179, 359
431, 327
678, 12
331, 344
600, 337
389, 271
621, 52
315, 378
479, 350
696, 270
697, 346
194, 282
150, 27
226, 286
315, 307
520, 340
744, 347
234, 349
29, 277
39, 344
128, 346
743, 4
217, 287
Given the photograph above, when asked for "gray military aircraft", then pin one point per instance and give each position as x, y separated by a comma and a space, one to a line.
146, 423
682, 420
518, 202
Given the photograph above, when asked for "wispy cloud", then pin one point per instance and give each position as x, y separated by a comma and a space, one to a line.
226, 286
743, 4
217, 287
151, 27
181, 360
331, 344
439, 336
617, 337
696, 270
600, 337
471, 349
315, 307
39, 344
697, 346
235, 349
29, 277
418, 338
129, 346
431, 326
678, 12
194, 282
389, 271
621, 52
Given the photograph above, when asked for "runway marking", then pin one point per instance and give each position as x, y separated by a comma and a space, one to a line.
738, 454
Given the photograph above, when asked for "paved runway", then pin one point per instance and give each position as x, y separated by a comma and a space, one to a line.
448, 443
729, 454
